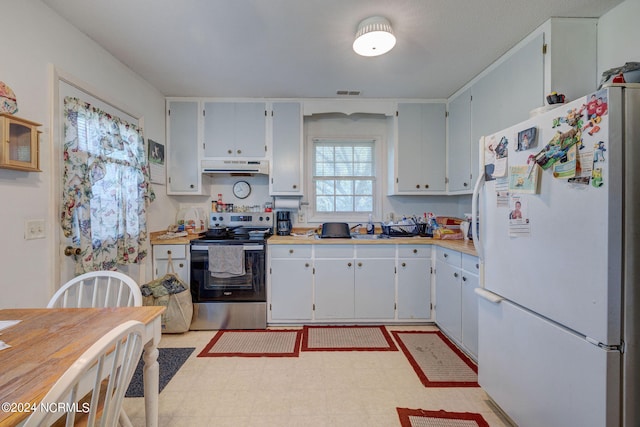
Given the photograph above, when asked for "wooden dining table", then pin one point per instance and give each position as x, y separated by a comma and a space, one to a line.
47, 341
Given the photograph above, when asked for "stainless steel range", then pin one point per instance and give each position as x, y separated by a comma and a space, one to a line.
228, 273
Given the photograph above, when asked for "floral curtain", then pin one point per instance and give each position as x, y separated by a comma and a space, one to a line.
105, 188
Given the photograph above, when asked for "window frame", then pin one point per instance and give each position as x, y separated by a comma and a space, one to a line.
313, 216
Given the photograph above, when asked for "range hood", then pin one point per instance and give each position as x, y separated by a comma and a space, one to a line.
231, 166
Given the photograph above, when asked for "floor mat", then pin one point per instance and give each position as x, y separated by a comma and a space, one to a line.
347, 338
263, 343
170, 361
422, 418
436, 360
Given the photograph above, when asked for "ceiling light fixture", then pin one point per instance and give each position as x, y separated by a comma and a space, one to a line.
374, 37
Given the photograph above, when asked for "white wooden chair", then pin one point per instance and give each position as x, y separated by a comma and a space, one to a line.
96, 383
98, 289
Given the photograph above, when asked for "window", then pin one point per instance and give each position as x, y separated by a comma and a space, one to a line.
343, 176
105, 188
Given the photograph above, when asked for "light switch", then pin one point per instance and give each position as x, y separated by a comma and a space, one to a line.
34, 229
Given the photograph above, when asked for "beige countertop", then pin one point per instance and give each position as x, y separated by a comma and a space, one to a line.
155, 240
464, 246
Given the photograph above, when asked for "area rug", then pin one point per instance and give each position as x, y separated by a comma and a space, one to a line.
251, 343
436, 360
422, 418
170, 361
347, 338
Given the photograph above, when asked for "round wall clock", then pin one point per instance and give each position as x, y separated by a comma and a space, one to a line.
241, 189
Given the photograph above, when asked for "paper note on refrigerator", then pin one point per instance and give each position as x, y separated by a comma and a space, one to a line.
518, 217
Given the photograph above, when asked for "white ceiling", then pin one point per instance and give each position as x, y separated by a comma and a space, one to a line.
302, 48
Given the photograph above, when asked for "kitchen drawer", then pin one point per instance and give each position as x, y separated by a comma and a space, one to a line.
414, 251
375, 251
471, 264
333, 251
163, 251
449, 256
290, 251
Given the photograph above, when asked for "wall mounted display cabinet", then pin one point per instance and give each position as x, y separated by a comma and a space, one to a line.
20, 144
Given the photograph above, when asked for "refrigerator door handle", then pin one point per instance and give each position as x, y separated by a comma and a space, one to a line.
489, 296
475, 218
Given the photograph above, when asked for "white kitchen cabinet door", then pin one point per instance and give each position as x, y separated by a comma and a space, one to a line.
470, 312
291, 292
183, 168
418, 153
286, 148
235, 129
180, 258
374, 288
460, 146
334, 294
449, 299
414, 288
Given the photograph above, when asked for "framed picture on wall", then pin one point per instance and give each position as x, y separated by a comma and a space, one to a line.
156, 162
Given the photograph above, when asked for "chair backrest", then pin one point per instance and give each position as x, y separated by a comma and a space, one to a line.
98, 289
93, 387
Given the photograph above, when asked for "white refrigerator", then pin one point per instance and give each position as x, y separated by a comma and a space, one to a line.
558, 245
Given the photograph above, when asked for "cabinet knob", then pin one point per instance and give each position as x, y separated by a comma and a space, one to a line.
464, 184
477, 265
290, 251
426, 186
295, 186
404, 264
181, 265
359, 264
455, 274
349, 264
239, 151
415, 251
169, 252
417, 185
229, 151
192, 186
306, 264
446, 255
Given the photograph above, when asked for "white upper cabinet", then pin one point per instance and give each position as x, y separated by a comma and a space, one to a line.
286, 163
235, 129
416, 156
183, 167
547, 60
459, 174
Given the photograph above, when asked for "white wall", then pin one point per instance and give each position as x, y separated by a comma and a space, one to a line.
619, 36
40, 39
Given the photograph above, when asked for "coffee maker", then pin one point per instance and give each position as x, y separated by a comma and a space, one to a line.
283, 223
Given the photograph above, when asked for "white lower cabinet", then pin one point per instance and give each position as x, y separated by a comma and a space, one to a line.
335, 282
456, 301
374, 282
179, 255
470, 281
414, 282
291, 283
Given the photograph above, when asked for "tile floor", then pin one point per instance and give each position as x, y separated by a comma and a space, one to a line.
316, 389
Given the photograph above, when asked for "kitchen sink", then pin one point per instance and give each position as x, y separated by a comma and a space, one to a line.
365, 236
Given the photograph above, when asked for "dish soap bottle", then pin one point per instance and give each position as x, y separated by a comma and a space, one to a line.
370, 226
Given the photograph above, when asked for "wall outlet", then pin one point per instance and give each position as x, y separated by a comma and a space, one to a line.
34, 229
301, 217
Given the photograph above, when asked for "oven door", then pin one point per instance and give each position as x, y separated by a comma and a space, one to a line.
247, 287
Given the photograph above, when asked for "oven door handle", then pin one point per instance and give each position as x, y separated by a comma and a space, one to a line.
244, 247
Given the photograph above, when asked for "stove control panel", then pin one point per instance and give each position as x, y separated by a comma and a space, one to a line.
237, 219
